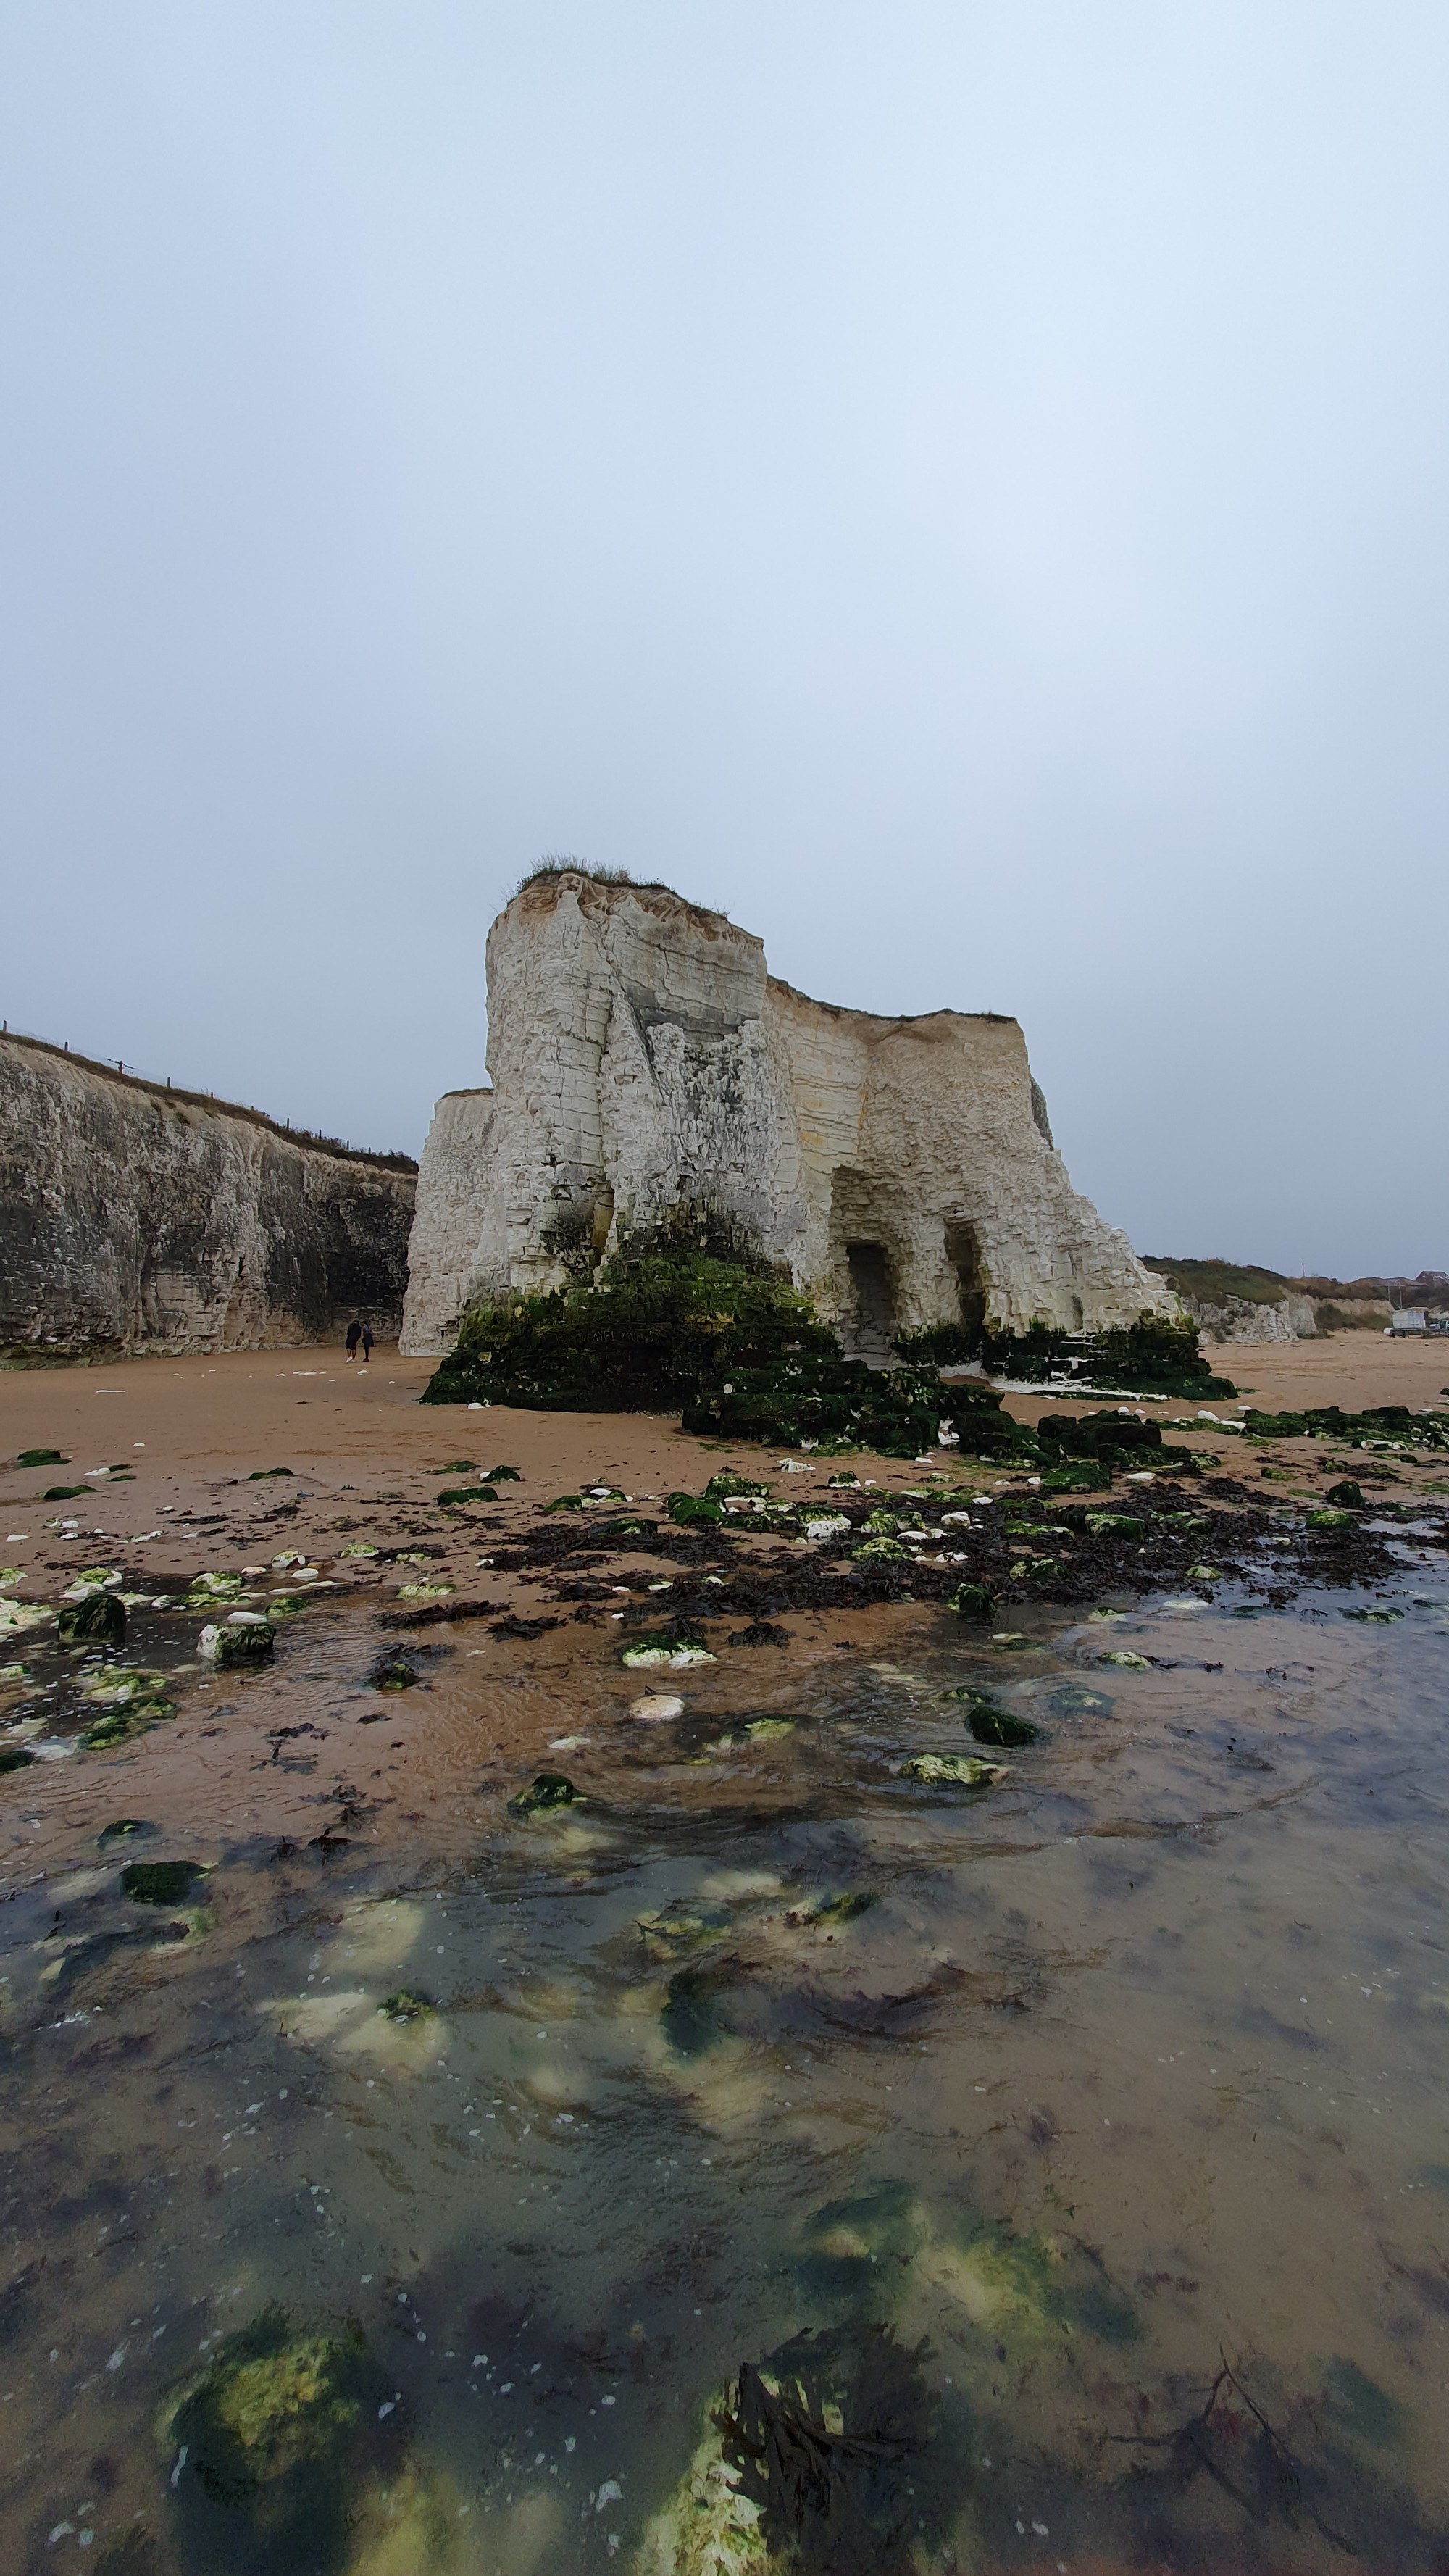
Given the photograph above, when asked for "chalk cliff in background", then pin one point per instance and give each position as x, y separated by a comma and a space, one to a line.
133, 1218
651, 1080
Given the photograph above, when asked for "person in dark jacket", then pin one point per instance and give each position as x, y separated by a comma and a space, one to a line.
354, 1336
366, 1344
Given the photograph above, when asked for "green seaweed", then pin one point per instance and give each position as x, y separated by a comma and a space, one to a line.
41, 1458
160, 1882
1079, 1699
130, 1703
546, 1793
684, 1508
15, 1757
672, 1931
1379, 1426
260, 1474
845, 1907
408, 2004
973, 1603
1154, 1356
649, 1331
63, 1493
393, 1672
277, 2431
252, 1642
501, 1475
453, 1495
679, 1643
123, 1830
99, 1620
999, 1726
952, 1771
1347, 1495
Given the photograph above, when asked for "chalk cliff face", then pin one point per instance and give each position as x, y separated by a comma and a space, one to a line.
136, 1219
650, 1075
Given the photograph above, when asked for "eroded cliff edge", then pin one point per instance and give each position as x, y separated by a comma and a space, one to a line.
136, 1219
651, 1078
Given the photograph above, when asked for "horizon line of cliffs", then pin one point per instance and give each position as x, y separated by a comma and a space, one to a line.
135, 1218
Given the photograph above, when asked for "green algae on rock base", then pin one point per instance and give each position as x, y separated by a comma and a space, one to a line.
279, 2431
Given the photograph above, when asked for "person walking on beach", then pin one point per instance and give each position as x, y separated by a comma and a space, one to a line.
354, 1336
366, 1344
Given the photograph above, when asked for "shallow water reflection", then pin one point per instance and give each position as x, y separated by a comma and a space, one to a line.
1089, 2128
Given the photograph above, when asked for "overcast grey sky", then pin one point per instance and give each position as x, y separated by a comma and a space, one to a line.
963, 487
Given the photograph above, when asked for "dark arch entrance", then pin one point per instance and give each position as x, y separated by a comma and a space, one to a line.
963, 1251
873, 1298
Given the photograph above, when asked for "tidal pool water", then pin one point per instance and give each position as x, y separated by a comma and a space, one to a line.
768, 2161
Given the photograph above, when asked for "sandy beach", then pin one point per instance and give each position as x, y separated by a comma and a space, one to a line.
875, 1965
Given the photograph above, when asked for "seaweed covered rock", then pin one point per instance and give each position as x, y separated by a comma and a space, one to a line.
652, 1330
990, 1724
128, 1702
545, 1794
1156, 1356
161, 1882
1380, 1426
246, 1640
830, 1403
1111, 1440
973, 1603
952, 1770
816, 2462
98, 1620
680, 1643
278, 2431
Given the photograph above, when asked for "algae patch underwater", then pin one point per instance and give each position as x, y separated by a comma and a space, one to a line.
277, 2435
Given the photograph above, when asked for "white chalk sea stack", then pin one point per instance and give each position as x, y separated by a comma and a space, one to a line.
649, 1074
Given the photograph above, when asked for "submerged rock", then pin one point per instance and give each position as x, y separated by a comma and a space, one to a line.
992, 1725
674, 1930
278, 2430
841, 1908
408, 2004
547, 1791
952, 1770
161, 1882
